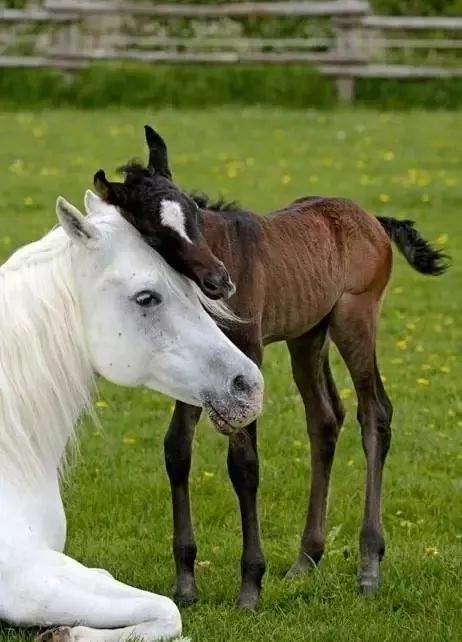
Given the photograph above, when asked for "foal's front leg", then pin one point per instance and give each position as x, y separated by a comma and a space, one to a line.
244, 473
177, 448
243, 469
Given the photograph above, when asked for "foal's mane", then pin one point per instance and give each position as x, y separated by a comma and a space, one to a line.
245, 223
46, 377
205, 202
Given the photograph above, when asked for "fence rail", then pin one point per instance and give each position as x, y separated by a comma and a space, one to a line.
352, 43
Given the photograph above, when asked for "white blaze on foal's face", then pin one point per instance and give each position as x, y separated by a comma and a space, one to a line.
172, 216
144, 323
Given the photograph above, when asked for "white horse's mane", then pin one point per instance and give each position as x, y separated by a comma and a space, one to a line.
46, 375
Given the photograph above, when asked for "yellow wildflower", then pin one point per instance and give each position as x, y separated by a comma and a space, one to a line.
442, 239
431, 550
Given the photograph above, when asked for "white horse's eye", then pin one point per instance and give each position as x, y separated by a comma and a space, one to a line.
147, 298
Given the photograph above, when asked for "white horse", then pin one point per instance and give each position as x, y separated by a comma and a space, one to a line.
91, 298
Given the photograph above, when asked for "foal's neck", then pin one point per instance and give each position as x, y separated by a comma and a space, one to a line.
234, 236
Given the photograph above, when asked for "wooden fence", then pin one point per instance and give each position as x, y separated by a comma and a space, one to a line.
340, 37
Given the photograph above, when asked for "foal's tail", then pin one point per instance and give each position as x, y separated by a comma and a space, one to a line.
416, 250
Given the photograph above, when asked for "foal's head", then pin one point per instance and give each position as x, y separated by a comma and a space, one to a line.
168, 219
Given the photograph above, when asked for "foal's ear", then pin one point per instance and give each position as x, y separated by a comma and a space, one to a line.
76, 225
158, 157
112, 193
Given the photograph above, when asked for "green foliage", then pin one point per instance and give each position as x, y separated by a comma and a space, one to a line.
189, 86
444, 93
138, 86
417, 7
390, 7
117, 497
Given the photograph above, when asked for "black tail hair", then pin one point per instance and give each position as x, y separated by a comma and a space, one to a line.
416, 250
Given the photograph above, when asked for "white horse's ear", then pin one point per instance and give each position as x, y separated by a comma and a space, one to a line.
94, 204
76, 225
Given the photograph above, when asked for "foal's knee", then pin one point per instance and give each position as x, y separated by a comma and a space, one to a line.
177, 461
243, 466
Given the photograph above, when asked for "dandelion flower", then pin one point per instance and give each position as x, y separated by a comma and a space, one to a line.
431, 550
442, 239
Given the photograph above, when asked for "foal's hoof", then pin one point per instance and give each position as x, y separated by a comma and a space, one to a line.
368, 587
248, 598
185, 595
300, 568
369, 576
61, 634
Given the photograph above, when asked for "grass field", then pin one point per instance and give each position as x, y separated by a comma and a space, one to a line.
117, 497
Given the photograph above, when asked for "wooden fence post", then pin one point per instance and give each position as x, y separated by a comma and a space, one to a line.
347, 48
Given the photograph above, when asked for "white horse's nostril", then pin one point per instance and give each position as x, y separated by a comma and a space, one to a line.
240, 385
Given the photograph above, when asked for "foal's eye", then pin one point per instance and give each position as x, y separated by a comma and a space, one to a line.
147, 298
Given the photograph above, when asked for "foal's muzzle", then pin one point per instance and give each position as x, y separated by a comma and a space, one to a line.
217, 284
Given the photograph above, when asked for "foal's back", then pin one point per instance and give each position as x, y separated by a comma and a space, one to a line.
302, 259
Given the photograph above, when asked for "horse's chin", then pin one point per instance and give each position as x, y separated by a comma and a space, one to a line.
229, 424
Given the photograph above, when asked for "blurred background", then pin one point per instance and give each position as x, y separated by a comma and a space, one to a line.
196, 53
263, 103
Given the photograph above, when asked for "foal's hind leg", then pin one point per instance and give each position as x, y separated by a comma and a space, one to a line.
177, 448
324, 414
353, 328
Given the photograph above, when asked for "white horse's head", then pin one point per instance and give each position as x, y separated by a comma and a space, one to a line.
146, 325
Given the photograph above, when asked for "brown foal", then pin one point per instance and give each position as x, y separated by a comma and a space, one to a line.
310, 273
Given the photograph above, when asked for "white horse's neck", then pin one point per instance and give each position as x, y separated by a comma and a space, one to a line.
46, 378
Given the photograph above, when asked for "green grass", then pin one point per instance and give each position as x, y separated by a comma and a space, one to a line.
117, 498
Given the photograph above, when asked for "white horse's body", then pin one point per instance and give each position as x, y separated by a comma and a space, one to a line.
99, 301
